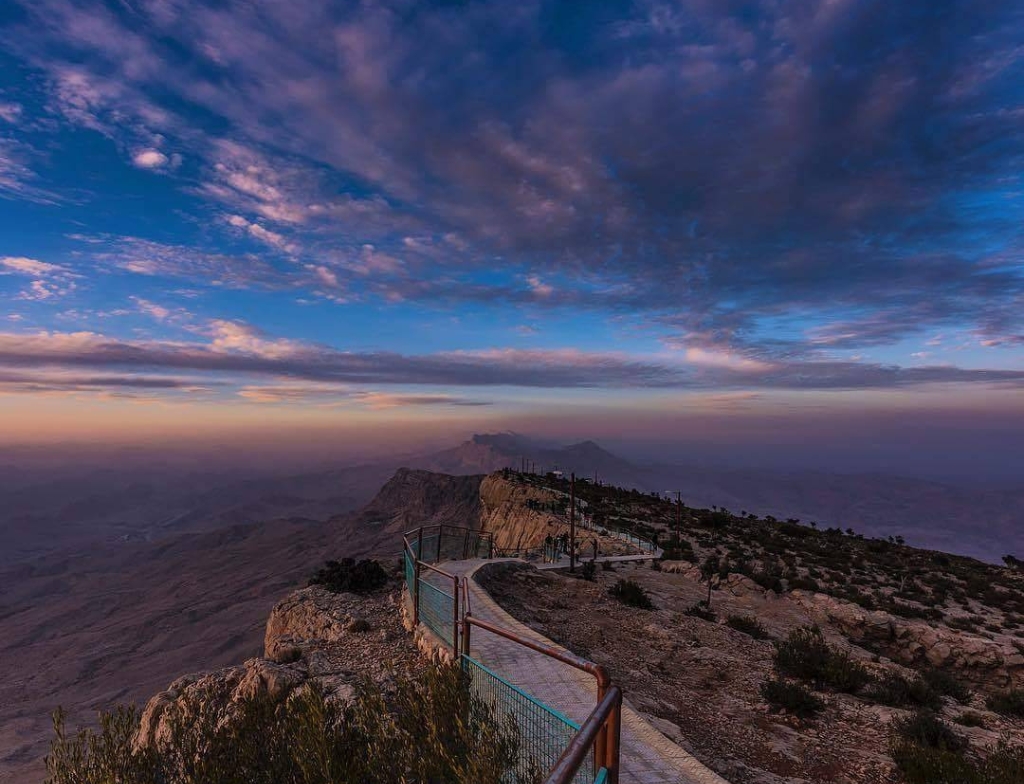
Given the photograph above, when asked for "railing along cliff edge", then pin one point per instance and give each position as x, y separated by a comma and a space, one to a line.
433, 606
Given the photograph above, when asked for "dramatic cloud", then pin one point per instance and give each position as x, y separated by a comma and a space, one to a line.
769, 195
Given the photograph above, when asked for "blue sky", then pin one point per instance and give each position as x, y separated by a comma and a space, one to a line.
428, 210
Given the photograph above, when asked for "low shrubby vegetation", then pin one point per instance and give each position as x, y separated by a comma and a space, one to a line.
926, 750
406, 733
701, 610
748, 625
900, 692
351, 576
806, 655
632, 593
946, 684
791, 697
1008, 703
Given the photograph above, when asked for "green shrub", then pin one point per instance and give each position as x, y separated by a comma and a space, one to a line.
702, 611
970, 719
803, 584
895, 690
924, 765
306, 739
791, 697
925, 728
946, 684
632, 593
1009, 703
806, 655
1004, 766
349, 576
748, 625
588, 571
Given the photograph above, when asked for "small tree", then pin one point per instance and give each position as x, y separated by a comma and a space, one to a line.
713, 571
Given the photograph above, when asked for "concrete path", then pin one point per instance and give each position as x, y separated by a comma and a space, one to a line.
647, 756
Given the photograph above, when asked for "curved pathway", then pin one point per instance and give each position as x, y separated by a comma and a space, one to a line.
647, 756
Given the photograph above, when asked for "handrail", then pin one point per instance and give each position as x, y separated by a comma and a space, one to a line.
441, 572
605, 743
600, 673
599, 732
607, 712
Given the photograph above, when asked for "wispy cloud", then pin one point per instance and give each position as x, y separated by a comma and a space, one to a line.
235, 351
52, 281
707, 172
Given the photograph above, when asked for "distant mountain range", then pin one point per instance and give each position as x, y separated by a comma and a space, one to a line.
42, 514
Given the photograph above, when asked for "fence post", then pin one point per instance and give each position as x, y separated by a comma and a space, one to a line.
455, 618
440, 542
601, 742
465, 546
614, 730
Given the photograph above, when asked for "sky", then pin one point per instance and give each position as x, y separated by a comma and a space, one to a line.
235, 217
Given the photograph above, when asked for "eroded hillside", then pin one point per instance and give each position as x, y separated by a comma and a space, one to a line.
907, 635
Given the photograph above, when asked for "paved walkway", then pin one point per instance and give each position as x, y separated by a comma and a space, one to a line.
647, 756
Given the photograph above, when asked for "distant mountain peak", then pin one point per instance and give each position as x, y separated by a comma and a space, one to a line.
587, 446
507, 441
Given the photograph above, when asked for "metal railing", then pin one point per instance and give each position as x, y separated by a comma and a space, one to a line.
543, 733
550, 741
434, 605
644, 545
603, 737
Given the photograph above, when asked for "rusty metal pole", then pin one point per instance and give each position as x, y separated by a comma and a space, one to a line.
572, 523
601, 744
455, 617
466, 614
614, 730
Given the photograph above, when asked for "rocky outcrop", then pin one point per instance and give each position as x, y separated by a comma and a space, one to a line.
336, 639
506, 513
216, 693
977, 659
734, 583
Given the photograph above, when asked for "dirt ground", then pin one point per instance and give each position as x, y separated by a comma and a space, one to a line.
700, 680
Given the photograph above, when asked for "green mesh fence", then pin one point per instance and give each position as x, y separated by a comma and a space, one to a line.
410, 574
437, 610
430, 548
544, 733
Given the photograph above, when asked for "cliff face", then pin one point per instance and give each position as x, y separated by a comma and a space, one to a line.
505, 511
413, 497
